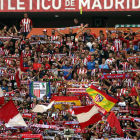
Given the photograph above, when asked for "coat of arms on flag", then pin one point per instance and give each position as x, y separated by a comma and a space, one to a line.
39, 89
98, 98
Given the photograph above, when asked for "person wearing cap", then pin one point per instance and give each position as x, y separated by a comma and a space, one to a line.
45, 33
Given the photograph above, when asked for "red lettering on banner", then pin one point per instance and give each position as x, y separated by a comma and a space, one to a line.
81, 90
68, 5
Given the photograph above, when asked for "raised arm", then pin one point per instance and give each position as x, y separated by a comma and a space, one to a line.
80, 30
63, 34
15, 29
58, 63
128, 134
127, 35
137, 31
6, 43
84, 27
111, 36
136, 41
69, 72
124, 40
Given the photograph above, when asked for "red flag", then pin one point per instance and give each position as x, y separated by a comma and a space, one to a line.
10, 115
114, 122
21, 63
8, 111
87, 115
17, 79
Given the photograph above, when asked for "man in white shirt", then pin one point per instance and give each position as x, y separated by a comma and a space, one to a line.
89, 44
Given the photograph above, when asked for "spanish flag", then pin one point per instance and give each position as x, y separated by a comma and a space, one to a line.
103, 101
67, 100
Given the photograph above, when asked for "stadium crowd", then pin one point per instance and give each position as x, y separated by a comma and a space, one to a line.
77, 61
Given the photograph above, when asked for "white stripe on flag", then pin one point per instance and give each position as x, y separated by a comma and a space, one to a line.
16, 121
84, 117
42, 108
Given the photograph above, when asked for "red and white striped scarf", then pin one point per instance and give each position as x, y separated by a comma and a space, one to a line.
125, 65
82, 71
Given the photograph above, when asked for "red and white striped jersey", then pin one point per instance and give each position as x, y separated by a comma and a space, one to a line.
125, 65
27, 25
64, 62
22, 42
129, 82
12, 77
119, 94
32, 105
70, 44
63, 113
6, 52
71, 111
119, 82
53, 37
93, 71
8, 61
26, 54
23, 92
103, 45
74, 60
82, 71
85, 61
55, 117
123, 90
48, 57
117, 43
40, 60
2, 71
